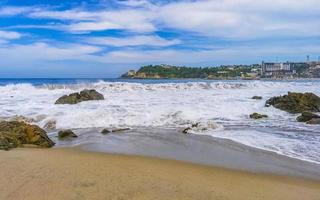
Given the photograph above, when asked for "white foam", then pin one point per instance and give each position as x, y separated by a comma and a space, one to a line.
227, 103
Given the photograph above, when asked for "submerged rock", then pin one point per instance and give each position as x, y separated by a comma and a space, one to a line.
106, 131
16, 134
296, 102
307, 116
50, 125
65, 134
258, 116
84, 95
200, 127
257, 97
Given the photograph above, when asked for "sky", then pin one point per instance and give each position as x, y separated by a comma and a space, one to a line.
105, 38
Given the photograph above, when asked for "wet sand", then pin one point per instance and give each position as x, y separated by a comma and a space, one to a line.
70, 173
200, 149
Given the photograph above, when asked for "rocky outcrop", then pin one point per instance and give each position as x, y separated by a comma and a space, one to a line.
107, 131
257, 97
307, 116
296, 102
16, 134
66, 134
258, 116
85, 95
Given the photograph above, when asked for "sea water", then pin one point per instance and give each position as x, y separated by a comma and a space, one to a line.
223, 106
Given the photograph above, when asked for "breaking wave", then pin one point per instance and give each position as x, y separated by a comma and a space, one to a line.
221, 104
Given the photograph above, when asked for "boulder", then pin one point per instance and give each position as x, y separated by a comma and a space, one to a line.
84, 95
105, 131
314, 121
16, 134
296, 102
66, 134
257, 116
257, 97
307, 116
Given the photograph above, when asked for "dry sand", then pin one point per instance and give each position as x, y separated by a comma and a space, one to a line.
74, 174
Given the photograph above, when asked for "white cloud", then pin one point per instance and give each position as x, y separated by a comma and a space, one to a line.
9, 35
146, 40
6, 36
45, 52
13, 10
85, 21
241, 19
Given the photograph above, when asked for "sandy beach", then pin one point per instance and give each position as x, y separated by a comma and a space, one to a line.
71, 173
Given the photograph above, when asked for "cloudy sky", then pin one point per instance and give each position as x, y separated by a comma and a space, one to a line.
104, 38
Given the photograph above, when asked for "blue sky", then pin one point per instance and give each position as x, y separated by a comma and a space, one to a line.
104, 38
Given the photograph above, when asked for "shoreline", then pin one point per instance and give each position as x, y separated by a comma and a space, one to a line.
198, 149
71, 173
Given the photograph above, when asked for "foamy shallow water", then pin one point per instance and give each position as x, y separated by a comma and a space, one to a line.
177, 105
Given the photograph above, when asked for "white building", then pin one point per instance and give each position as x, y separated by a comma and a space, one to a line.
277, 70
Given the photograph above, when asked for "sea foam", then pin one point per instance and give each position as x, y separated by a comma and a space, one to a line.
227, 104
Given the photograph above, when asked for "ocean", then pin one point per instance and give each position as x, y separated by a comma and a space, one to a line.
223, 107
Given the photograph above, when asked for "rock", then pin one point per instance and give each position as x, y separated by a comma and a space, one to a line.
21, 118
187, 130
106, 131
64, 134
200, 127
16, 134
257, 97
50, 125
296, 102
85, 95
257, 116
314, 121
5, 144
307, 116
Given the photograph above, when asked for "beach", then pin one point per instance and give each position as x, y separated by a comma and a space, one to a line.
70, 173
226, 154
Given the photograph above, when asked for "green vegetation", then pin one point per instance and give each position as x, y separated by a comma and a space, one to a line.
172, 72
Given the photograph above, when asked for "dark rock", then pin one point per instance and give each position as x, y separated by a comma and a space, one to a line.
85, 95
186, 130
106, 131
257, 97
200, 127
65, 134
16, 134
307, 116
296, 102
257, 116
314, 121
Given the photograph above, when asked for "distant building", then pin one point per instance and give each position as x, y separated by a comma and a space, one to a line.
277, 70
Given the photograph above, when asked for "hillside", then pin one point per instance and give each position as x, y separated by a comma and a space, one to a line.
176, 72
